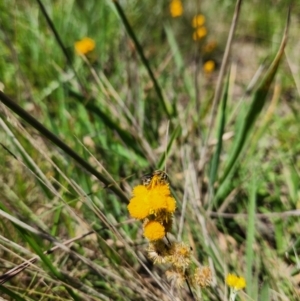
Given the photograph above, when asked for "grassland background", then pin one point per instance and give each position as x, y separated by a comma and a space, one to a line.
108, 111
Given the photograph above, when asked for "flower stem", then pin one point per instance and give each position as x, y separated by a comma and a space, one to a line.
190, 289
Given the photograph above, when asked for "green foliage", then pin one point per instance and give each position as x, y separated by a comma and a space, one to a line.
77, 133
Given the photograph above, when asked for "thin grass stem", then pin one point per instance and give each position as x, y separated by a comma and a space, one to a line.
146, 63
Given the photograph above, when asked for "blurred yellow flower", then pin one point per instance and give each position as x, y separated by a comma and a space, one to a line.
235, 282
84, 46
153, 230
199, 33
176, 8
209, 66
198, 21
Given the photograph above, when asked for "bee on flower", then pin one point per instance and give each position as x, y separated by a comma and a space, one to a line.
152, 202
158, 176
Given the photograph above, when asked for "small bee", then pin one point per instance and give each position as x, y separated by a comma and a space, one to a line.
158, 176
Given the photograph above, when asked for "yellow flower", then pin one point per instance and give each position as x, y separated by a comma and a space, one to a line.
203, 276
153, 230
151, 201
139, 208
199, 33
176, 8
84, 46
198, 21
209, 66
235, 282
160, 200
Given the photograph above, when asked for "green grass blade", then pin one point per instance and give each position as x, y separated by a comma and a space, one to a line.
216, 156
145, 62
129, 139
57, 37
175, 134
265, 293
42, 180
47, 261
174, 47
59, 40
188, 84
49, 135
11, 294
257, 104
219, 85
251, 237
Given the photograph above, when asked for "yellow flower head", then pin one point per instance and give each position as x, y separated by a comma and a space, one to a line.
199, 33
153, 230
151, 201
209, 66
235, 282
139, 207
176, 8
203, 276
198, 21
84, 46
160, 199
